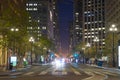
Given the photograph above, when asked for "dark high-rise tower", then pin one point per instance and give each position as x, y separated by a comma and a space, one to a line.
44, 14
78, 20
38, 19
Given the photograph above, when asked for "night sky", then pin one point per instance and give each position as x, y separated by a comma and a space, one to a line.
65, 12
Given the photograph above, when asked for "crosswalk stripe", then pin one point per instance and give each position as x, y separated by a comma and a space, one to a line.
59, 73
16, 73
75, 71
29, 73
108, 73
43, 73
64, 73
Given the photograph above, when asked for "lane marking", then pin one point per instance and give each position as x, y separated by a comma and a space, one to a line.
43, 73
75, 71
64, 73
16, 73
108, 73
29, 73
89, 73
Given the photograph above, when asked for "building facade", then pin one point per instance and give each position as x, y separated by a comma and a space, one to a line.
38, 19
77, 23
94, 22
90, 15
44, 14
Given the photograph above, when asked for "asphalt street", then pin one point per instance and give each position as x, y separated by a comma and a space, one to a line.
62, 72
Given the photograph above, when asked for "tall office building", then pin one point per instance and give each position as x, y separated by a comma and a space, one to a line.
91, 21
56, 25
53, 26
77, 23
39, 17
44, 14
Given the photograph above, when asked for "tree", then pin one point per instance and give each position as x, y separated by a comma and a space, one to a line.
108, 45
13, 14
43, 42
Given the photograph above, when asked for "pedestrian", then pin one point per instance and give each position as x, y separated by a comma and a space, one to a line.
11, 66
95, 61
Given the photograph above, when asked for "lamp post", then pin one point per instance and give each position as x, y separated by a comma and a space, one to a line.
31, 40
14, 30
113, 29
96, 40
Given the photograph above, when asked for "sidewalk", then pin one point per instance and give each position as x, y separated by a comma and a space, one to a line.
5, 72
114, 70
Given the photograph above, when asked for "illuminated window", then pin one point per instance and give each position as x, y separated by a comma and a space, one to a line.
53, 7
29, 17
92, 29
77, 28
30, 20
44, 28
35, 9
30, 4
103, 28
99, 28
77, 13
30, 27
89, 5
38, 20
38, 31
53, 22
38, 27
27, 4
35, 4
77, 20
30, 9
77, 33
27, 9
103, 42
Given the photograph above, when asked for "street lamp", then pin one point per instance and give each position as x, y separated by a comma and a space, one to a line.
14, 30
96, 40
113, 29
31, 40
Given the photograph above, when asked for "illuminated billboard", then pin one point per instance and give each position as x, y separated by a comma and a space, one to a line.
118, 56
13, 60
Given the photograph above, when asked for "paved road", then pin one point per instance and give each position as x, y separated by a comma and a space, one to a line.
63, 72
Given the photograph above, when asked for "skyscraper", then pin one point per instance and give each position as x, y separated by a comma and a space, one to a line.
43, 13
94, 21
77, 23
38, 19
90, 17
